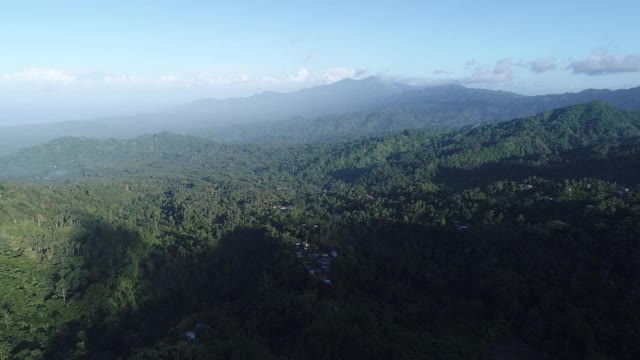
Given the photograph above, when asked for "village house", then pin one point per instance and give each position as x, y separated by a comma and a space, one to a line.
317, 264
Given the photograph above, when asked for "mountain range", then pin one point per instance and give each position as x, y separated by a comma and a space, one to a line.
583, 131
347, 109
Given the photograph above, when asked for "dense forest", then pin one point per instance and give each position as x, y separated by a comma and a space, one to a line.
510, 240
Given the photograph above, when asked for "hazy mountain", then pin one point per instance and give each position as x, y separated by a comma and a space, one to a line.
16, 137
544, 136
453, 92
343, 96
449, 106
346, 109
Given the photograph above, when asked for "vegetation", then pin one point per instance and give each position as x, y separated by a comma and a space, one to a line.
517, 239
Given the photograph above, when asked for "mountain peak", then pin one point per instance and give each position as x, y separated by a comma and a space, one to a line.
371, 78
351, 82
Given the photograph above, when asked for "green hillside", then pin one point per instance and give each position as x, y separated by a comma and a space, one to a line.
518, 237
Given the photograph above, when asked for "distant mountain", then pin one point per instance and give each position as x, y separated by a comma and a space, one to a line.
628, 99
344, 96
454, 92
16, 137
341, 96
561, 137
344, 110
450, 106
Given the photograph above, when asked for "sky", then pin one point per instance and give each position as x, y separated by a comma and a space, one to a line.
63, 59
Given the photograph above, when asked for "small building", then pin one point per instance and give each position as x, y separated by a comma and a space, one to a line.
190, 335
623, 191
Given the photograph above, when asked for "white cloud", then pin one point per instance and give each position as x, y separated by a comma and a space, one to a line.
501, 72
271, 80
118, 79
301, 76
36, 79
170, 78
601, 63
337, 74
52, 76
540, 66
221, 80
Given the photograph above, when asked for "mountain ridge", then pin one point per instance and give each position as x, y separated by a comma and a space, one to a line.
541, 136
343, 110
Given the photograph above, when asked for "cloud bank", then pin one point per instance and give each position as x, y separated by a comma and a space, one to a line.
57, 79
39, 75
541, 66
501, 72
602, 63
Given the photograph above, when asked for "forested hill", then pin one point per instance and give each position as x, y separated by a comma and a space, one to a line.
593, 139
582, 140
578, 131
546, 134
161, 154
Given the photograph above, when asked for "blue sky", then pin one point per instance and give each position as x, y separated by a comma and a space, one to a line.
96, 57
